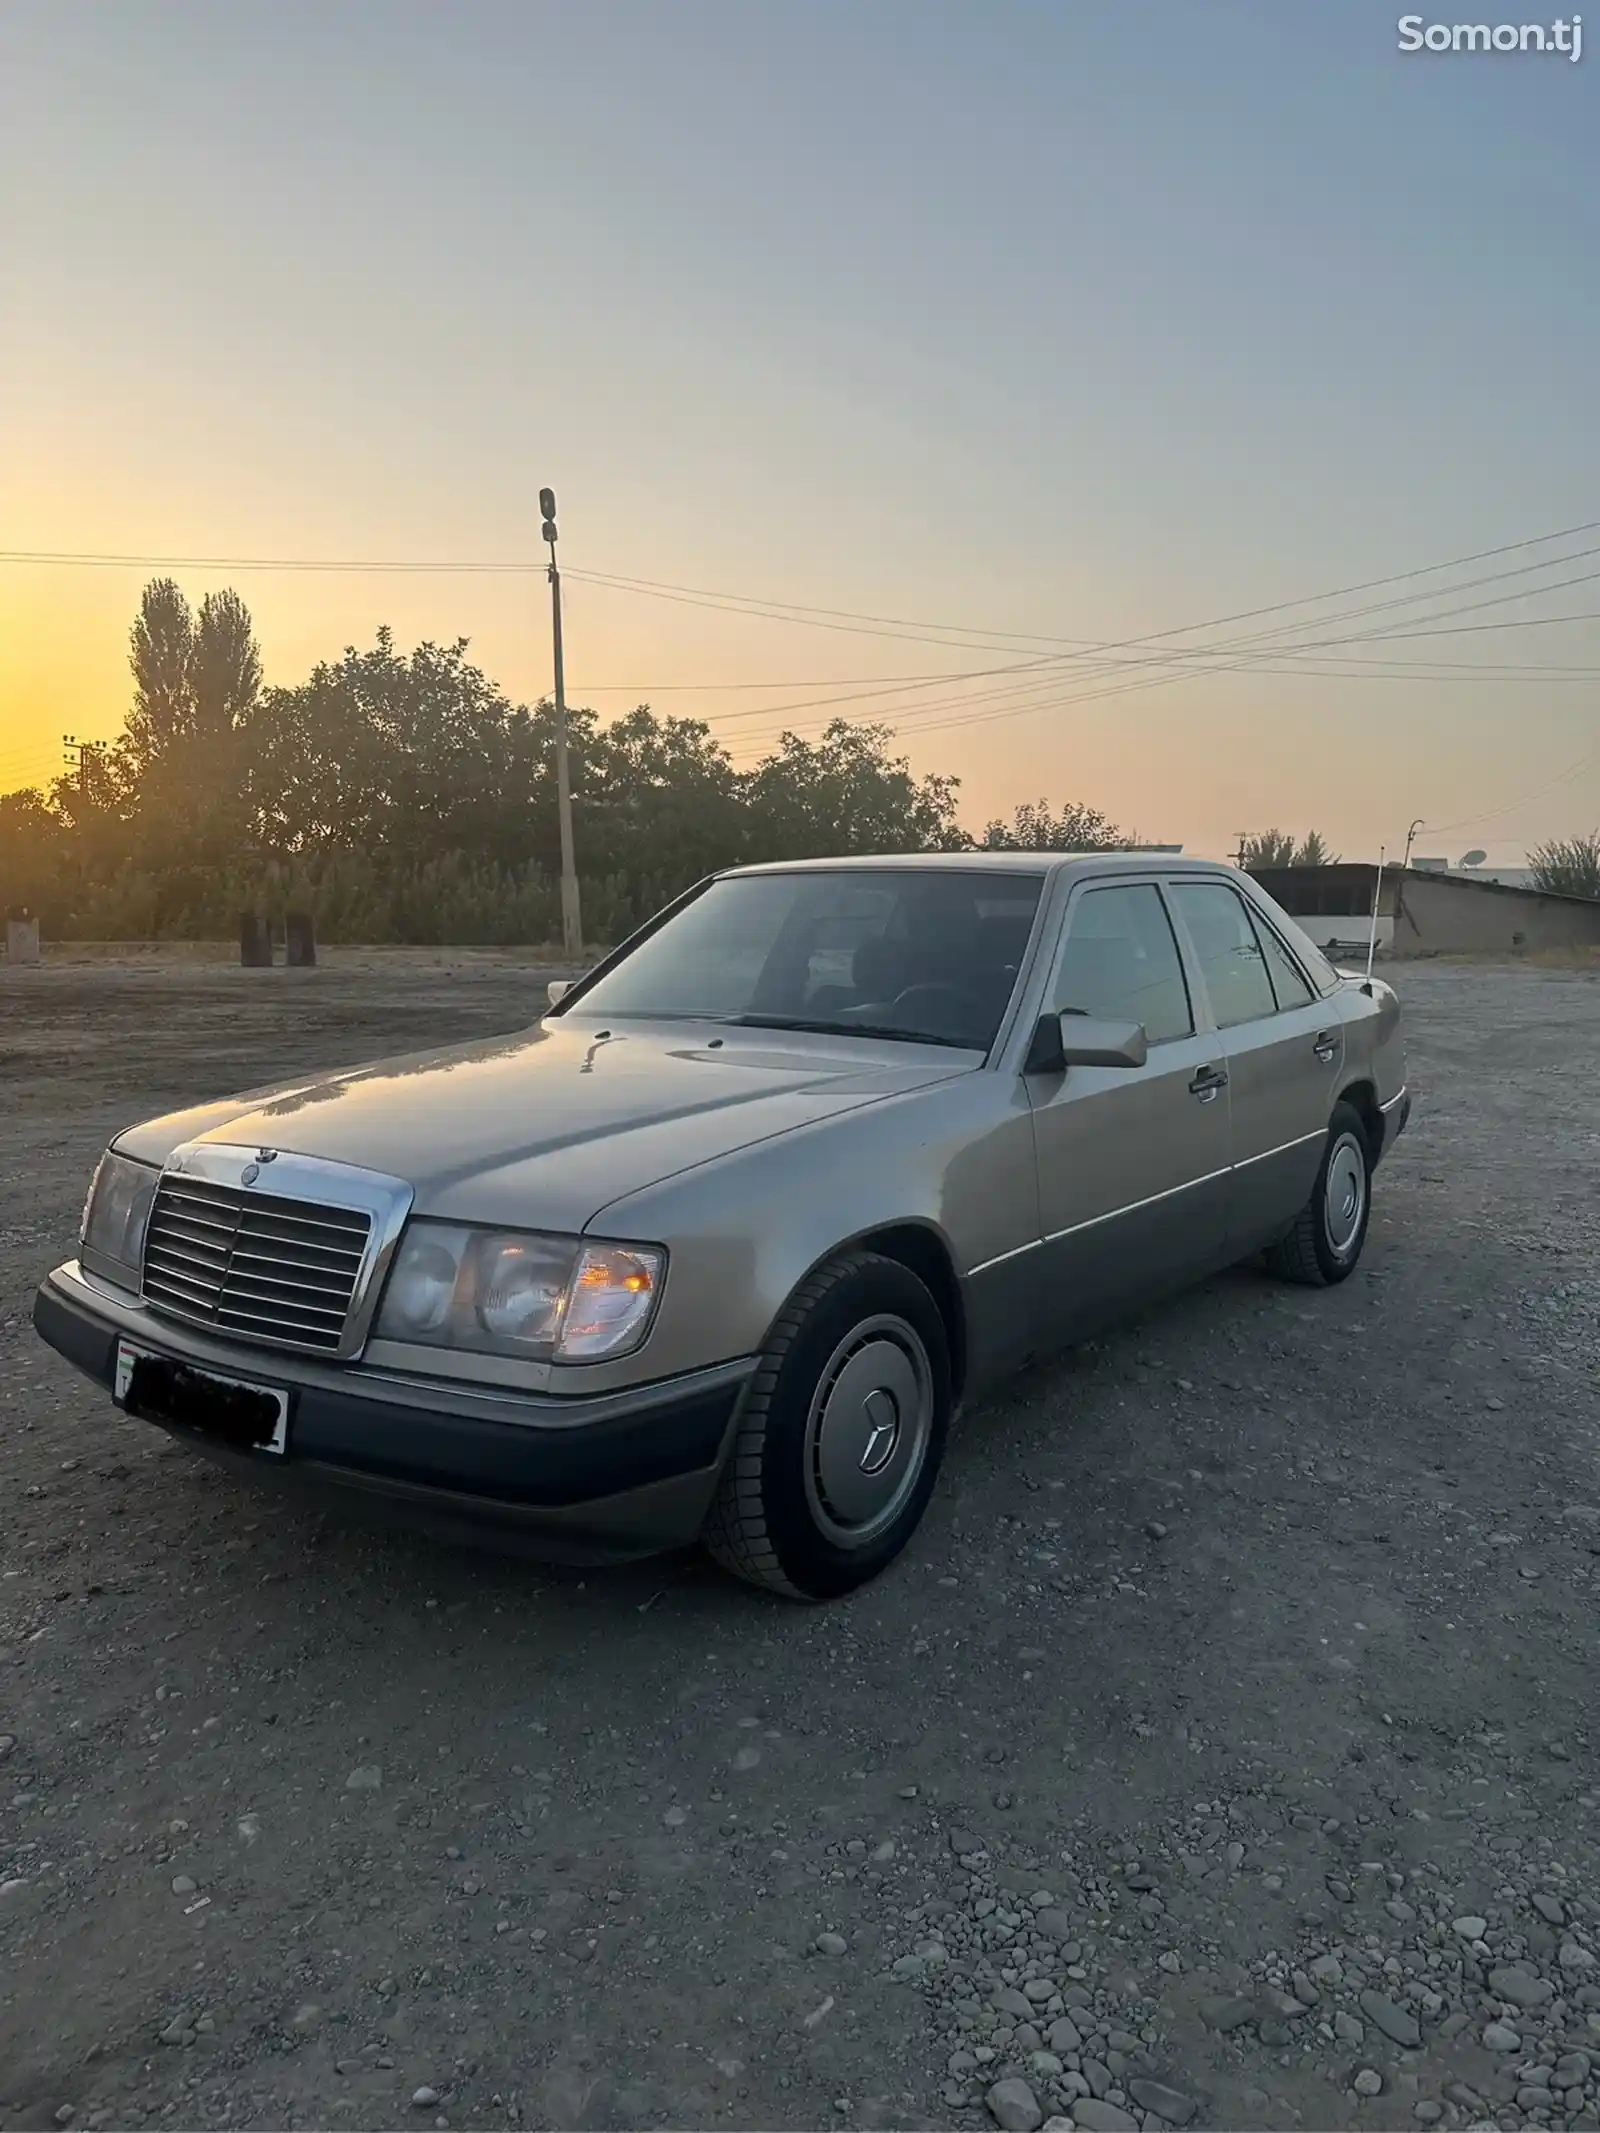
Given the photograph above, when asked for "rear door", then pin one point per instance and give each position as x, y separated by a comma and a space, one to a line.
1283, 1048
1133, 1162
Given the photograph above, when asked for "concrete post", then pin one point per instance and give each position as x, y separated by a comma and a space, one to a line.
255, 941
22, 935
300, 941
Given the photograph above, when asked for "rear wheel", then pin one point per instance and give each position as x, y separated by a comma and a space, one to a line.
1326, 1241
841, 1435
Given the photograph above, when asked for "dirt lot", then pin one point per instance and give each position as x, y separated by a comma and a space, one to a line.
1222, 1754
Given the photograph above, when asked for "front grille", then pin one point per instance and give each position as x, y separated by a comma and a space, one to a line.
254, 1264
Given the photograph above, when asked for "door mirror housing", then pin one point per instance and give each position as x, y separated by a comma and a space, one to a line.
1070, 1040
556, 991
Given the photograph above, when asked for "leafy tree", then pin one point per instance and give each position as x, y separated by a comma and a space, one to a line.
1266, 848
181, 770
380, 751
1035, 828
1568, 866
162, 658
846, 793
403, 796
664, 799
1314, 852
224, 666
1277, 848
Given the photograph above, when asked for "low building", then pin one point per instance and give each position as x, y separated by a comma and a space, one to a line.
1423, 911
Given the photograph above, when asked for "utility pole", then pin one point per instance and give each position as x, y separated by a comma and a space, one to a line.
1411, 838
1238, 857
88, 754
571, 922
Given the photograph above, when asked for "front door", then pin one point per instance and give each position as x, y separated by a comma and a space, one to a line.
1133, 1161
1284, 1048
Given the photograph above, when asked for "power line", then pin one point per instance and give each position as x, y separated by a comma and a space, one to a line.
1341, 592
1048, 671
1004, 702
102, 560
1437, 829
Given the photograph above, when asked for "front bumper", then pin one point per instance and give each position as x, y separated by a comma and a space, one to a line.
603, 1478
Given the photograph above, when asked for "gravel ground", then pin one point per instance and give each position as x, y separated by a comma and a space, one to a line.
1221, 1755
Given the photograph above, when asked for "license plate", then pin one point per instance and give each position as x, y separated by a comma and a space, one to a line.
231, 1410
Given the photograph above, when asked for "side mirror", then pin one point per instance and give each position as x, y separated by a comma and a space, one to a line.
557, 990
1070, 1040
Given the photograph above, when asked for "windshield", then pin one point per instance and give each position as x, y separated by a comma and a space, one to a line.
932, 957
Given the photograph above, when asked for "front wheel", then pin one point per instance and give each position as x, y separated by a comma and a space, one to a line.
1326, 1241
841, 1435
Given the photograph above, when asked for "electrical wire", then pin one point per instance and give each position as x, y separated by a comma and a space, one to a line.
1016, 701
1437, 829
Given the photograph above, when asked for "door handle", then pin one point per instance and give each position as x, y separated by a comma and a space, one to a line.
1326, 1046
1208, 1082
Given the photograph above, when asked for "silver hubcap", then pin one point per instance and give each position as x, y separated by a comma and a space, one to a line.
1345, 1196
867, 1432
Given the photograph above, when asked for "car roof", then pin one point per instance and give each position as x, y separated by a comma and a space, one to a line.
999, 863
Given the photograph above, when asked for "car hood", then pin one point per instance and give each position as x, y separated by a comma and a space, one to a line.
547, 1127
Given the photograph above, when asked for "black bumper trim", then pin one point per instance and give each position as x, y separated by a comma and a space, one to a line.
518, 1465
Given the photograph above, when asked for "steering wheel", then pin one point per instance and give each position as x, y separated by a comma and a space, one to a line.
968, 1006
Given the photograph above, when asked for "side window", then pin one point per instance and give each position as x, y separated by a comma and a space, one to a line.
1288, 985
1231, 958
1120, 961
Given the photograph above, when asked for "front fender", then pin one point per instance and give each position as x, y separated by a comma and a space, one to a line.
743, 1231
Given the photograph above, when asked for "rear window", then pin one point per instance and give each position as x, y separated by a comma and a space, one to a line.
1310, 957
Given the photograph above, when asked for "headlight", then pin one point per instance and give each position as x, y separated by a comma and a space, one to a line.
511, 1292
111, 1239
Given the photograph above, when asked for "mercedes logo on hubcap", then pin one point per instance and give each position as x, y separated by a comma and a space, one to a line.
883, 1430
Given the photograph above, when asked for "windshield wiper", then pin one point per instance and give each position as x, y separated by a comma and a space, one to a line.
850, 1029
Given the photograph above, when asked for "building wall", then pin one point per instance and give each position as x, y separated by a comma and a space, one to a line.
1441, 915
1345, 929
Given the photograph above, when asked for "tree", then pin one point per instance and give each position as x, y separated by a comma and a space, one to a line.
1276, 848
665, 800
846, 793
224, 666
1266, 848
417, 755
162, 658
181, 769
1034, 828
1568, 866
1314, 852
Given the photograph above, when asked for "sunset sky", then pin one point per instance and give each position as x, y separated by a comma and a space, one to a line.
1056, 324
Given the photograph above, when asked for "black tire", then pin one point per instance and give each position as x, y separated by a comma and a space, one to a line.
1322, 1248
779, 1520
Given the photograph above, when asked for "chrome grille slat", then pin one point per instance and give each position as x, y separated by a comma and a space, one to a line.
249, 1283
200, 1293
204, 1251
206, 1225
206, 1271
317, 1281
259, 1264
237, 1312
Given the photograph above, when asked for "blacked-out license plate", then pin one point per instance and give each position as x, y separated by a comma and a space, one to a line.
157, 1389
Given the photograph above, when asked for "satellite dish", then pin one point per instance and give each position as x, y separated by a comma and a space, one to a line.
1473, 859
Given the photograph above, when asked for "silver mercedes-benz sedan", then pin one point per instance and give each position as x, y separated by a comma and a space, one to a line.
718, 1247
